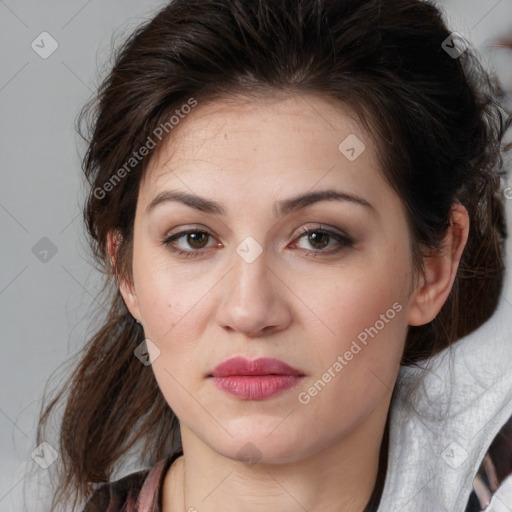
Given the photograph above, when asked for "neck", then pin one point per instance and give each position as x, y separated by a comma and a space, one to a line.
341, 477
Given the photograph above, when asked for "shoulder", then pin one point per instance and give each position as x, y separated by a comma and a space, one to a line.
127, 493
118, 495
494, 469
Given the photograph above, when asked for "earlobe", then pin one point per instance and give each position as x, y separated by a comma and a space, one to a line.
130, 298
440, 270
126, 288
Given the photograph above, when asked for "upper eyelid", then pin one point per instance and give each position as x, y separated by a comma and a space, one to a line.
323, 228
302, 232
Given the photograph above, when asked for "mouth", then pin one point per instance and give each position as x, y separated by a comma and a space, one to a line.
255, 380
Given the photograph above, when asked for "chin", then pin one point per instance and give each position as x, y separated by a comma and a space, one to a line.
257, 448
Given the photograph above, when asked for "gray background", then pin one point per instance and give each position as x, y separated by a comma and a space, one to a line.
48, 299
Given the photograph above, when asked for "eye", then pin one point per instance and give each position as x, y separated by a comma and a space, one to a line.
195, 239
318, 238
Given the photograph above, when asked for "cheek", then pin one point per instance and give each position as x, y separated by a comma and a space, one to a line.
355, 370
363, 331
368, 296
363, 326
166, 294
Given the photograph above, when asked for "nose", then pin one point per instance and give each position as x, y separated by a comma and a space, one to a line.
254, 299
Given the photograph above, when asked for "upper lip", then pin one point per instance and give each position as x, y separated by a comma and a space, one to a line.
262, 366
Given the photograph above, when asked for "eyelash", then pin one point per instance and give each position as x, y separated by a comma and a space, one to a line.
343, 240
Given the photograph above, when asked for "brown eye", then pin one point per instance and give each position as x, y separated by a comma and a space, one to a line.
195, 241
319, 239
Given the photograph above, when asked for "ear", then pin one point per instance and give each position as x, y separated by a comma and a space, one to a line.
126, 288
440, 270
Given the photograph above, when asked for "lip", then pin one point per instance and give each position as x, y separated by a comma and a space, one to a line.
255, 380
262, 366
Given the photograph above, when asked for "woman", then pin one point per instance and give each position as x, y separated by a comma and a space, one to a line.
293, 202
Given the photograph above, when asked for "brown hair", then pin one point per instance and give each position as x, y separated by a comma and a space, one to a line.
435, 119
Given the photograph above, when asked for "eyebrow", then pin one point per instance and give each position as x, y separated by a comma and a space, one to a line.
283, 207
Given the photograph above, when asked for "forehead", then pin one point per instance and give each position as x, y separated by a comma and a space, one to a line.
268, 148
243, 131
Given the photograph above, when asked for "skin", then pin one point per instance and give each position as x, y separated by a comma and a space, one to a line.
302, 308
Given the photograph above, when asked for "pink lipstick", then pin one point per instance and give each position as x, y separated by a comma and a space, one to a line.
255, 380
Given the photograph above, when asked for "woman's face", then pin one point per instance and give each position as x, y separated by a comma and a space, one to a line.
333, 304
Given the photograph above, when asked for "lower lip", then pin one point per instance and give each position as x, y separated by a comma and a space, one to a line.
257, 387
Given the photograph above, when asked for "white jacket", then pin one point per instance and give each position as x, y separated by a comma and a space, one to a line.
444, 418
